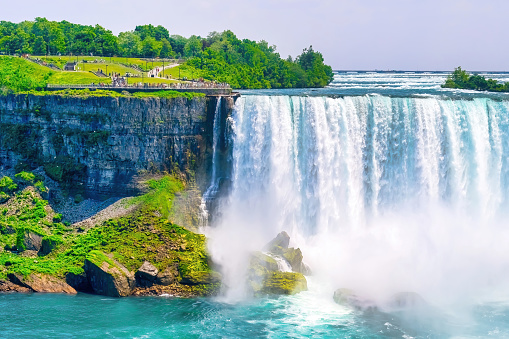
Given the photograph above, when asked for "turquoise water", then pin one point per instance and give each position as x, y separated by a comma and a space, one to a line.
305, 316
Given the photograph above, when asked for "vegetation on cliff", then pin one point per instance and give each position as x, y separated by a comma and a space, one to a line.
144, 235
220, 56
462, 80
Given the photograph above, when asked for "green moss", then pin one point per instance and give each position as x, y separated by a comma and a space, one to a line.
98, 258
7, 185
161, 195
283, 283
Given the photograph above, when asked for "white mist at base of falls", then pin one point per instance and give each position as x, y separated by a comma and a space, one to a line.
382, 194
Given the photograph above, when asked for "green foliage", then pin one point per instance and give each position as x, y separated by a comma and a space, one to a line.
220, 56
161, 195
7, 185
98, 258
65, 169
248, 64
27, 177
21, 75
462, 80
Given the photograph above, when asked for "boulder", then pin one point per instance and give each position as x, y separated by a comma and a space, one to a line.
32, 241
201, 278
168, 276
277, 283
107, 276
146, 275
265, 278
79, 282
279, 246
42, 283
7, 229
348, 297
279, 243
294, 258
262, 262
48, 245
7, 286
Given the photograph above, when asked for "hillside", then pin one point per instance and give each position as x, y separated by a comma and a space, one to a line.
221, 57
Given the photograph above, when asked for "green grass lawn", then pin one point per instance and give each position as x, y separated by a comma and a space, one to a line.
115, 68
145, 64
75, 78
185, 72
56, 60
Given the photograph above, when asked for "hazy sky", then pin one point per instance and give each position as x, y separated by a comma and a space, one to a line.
351, 34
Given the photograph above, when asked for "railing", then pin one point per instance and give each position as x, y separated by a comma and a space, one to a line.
217, 90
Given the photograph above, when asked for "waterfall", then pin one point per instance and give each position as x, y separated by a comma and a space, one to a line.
214, 183
397, 190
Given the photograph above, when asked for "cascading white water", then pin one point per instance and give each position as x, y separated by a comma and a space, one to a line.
382, 194
214, 184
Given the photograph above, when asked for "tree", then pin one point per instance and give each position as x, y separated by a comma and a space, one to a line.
39, 46
150, 48
193, 47
129, 44
166, 50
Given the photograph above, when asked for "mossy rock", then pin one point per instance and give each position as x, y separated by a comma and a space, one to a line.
49, 244
282, 283
32, 240
261, 263
108, 277
201, 278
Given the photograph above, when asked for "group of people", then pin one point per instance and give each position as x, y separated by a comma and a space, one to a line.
179, 85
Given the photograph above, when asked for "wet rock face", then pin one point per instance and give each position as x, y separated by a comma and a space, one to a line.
264, 274
105, 142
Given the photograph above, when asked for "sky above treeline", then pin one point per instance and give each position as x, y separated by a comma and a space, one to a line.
351, 34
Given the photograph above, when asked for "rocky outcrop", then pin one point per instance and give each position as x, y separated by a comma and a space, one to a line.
7, 287
42, 283
79, 282
201, 278
48, 245
280, 242
168, 276
276, 283
32, 241
108, 277
146, 275
265, 276
279, 246
102, 144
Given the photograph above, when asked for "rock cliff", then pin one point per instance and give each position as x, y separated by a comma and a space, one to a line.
98, 146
